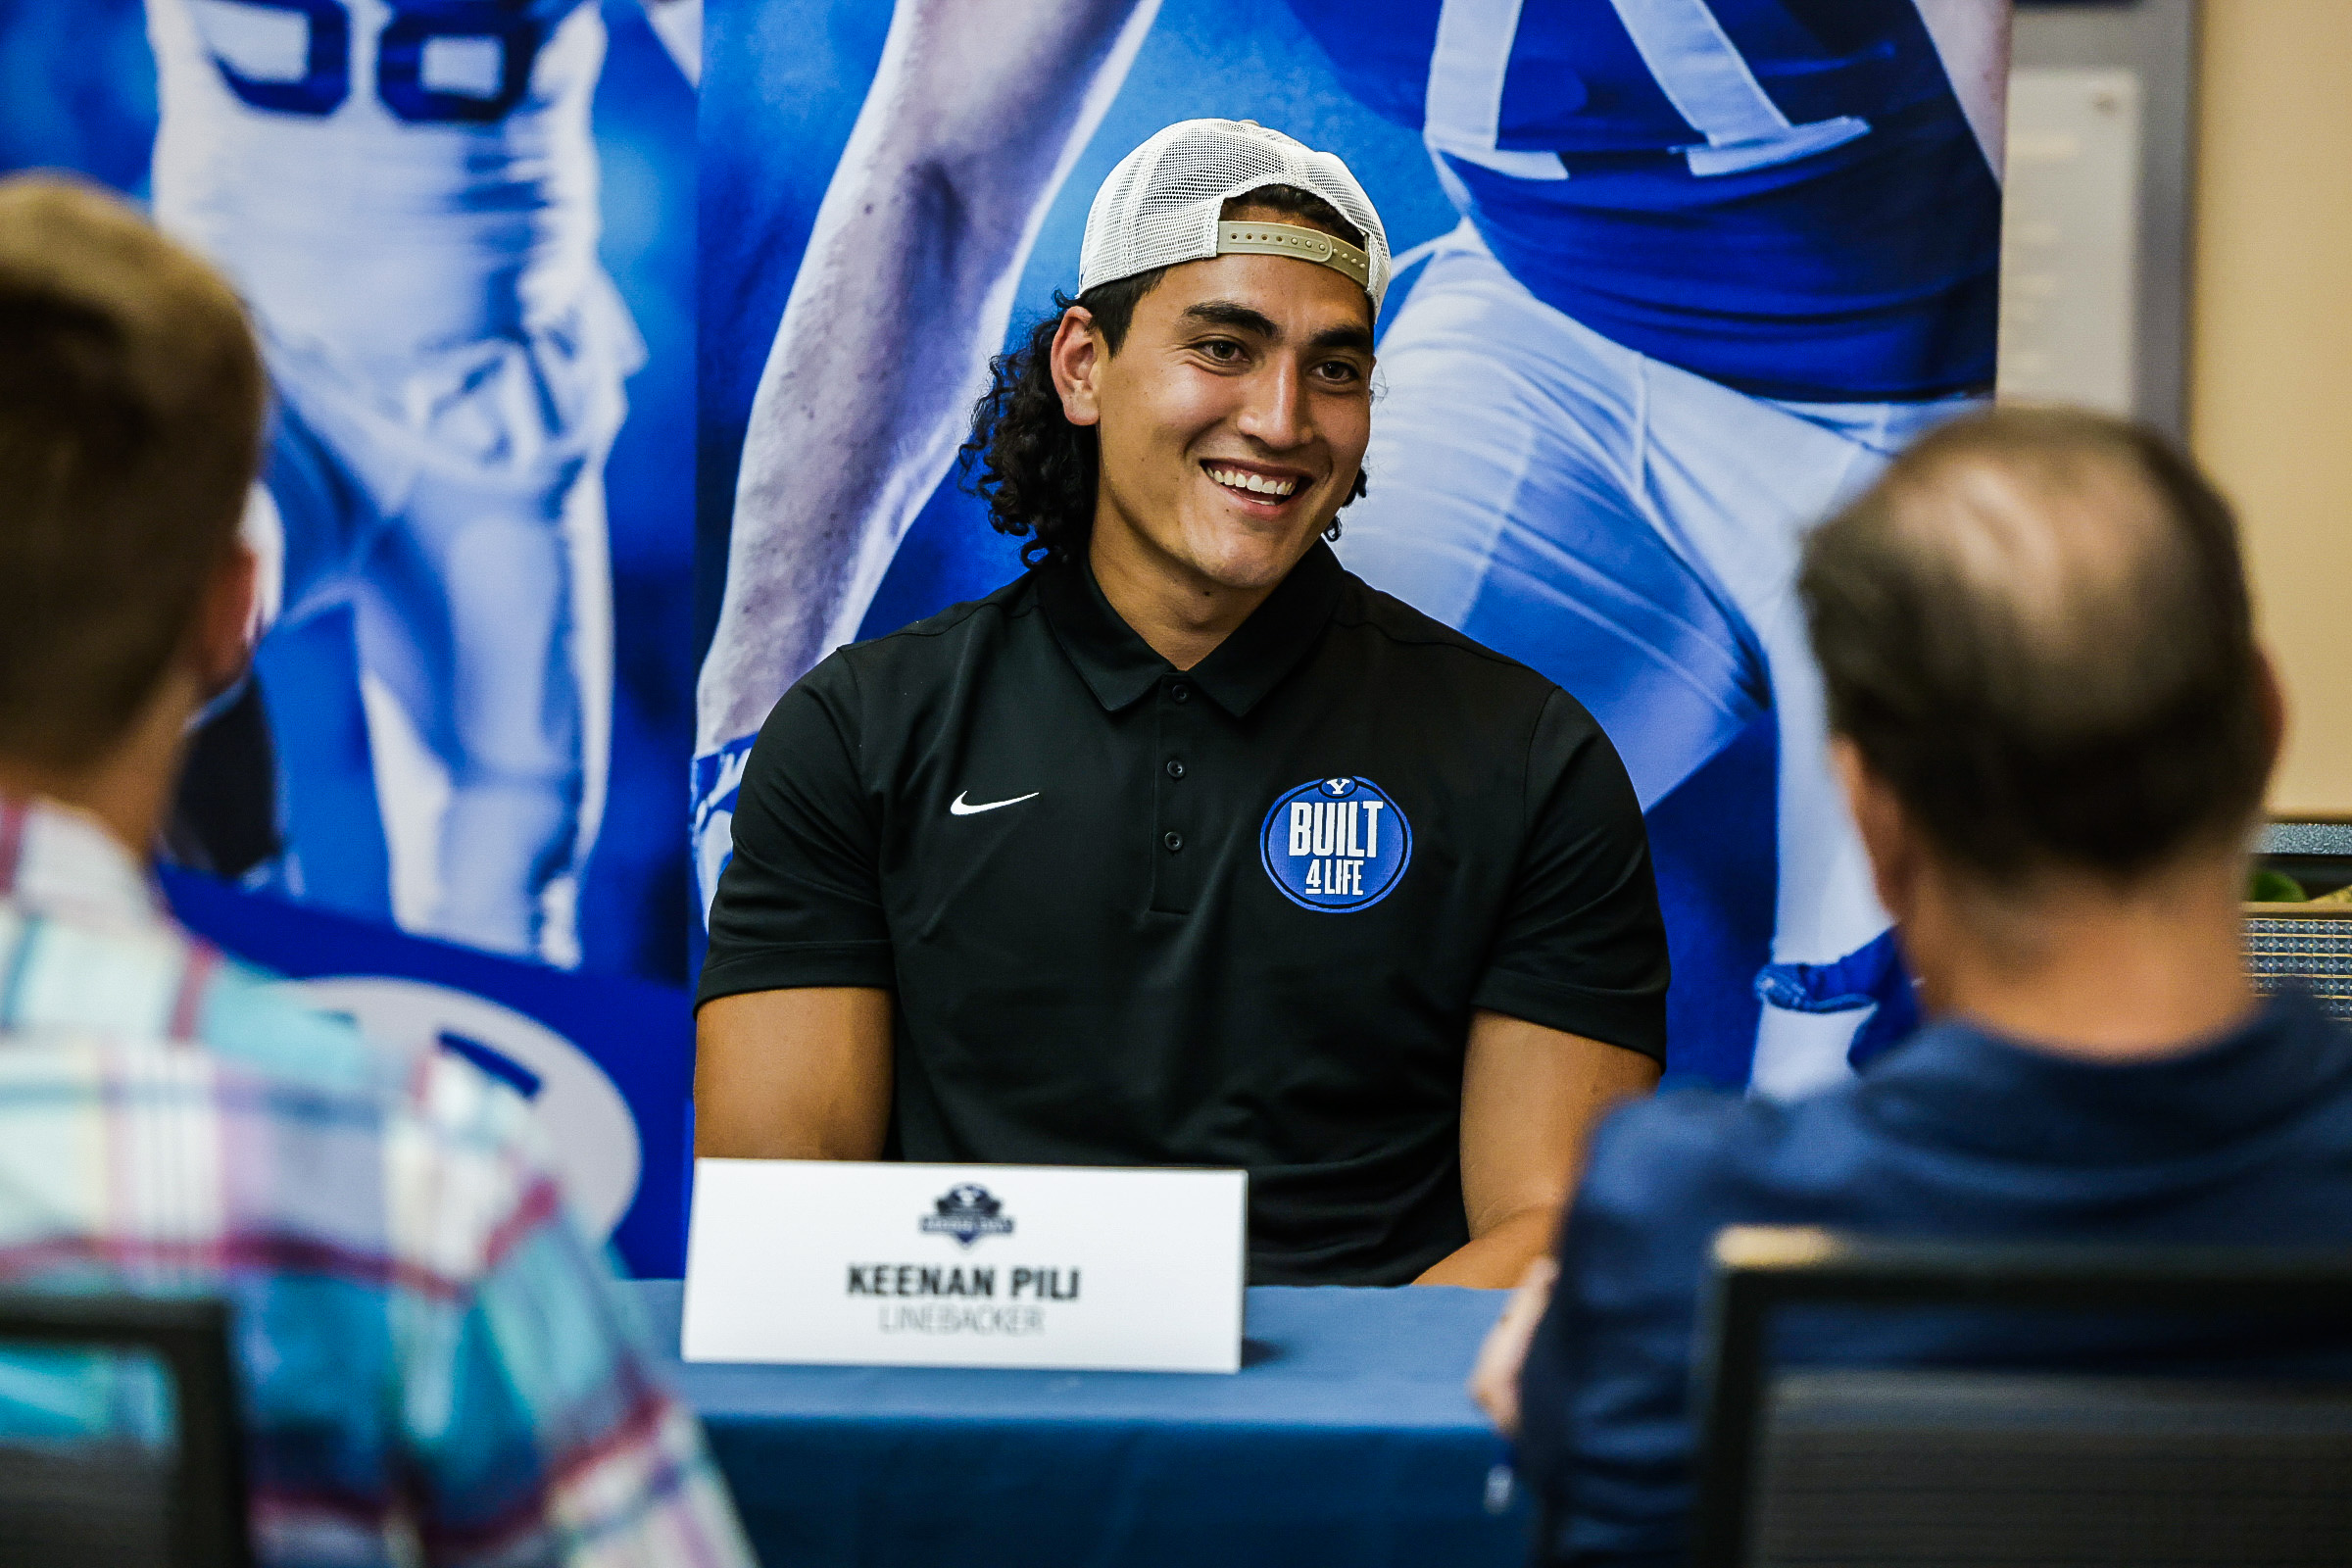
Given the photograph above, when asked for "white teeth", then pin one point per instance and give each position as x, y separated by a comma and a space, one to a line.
1256, 484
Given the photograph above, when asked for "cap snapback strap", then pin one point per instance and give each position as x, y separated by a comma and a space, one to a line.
1301, 244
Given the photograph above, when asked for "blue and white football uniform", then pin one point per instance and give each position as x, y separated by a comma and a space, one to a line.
406, 193
1719, 260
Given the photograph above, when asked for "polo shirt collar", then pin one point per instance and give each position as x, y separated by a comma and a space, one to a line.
1964, 1088
54, 859
1119, 668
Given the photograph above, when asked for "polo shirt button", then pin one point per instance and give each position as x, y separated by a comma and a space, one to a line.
1175, 768
1180, 694
1174, 842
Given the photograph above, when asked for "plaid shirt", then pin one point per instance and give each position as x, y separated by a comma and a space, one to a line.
436, 1364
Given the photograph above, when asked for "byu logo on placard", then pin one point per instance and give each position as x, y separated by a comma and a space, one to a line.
1336, 844
968, 1211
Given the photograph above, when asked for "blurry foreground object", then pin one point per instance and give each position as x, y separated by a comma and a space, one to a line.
435, 1365
1986, 1464
123, 1498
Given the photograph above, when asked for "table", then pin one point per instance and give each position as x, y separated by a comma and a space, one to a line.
1345, 1438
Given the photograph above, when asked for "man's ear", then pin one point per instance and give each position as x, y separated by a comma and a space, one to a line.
2273, 697
221, 642
1076, 359
1887, 835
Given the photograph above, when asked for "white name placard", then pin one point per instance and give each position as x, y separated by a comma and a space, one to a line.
966, 1265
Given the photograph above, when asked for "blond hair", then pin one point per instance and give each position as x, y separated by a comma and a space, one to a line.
131, 404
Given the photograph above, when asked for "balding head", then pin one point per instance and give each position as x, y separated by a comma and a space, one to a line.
2034, 630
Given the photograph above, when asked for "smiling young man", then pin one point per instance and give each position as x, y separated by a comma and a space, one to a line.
1187, 848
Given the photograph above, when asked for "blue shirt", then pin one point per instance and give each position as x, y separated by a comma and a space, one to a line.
1780, 195
1955, 1133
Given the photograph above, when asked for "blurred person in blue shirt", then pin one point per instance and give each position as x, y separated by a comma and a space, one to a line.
436, 1366
2054, 727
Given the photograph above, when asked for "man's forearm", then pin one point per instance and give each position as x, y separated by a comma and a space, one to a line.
1531, 1099
800, 1074
835, 465
903, 294
1497, 1259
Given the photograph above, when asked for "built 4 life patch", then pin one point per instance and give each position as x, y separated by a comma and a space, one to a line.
1336, 844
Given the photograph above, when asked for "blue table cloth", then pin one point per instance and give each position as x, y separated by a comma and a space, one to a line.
1345, 1438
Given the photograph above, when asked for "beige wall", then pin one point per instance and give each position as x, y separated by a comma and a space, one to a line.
2271, 349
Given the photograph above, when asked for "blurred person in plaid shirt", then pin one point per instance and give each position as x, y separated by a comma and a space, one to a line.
436, 1364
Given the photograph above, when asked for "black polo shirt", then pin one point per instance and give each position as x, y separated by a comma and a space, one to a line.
1232, 915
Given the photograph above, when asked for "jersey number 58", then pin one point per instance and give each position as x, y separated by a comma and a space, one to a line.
514, 27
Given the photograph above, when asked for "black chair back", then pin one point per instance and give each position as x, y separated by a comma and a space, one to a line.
115, 1501
1893, 1466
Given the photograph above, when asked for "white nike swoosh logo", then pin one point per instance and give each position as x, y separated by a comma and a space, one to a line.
958, 808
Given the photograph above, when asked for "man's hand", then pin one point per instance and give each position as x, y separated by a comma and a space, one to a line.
1495, 1380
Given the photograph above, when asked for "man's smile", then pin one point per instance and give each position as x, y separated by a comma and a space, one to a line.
1255, 484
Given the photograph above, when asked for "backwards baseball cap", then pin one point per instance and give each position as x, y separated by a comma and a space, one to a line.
1165, 203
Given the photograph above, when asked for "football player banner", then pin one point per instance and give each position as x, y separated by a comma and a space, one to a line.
465, 232
1674, 278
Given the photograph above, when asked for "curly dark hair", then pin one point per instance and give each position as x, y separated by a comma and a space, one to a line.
1034, 468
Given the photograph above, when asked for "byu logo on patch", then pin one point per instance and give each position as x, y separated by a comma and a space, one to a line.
1336, 844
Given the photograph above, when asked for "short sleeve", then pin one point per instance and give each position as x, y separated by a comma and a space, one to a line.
801, 903
1581, 947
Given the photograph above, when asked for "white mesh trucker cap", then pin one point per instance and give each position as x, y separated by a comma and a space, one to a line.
1160, 206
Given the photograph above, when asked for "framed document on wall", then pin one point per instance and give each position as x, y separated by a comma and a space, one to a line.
2095, 233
